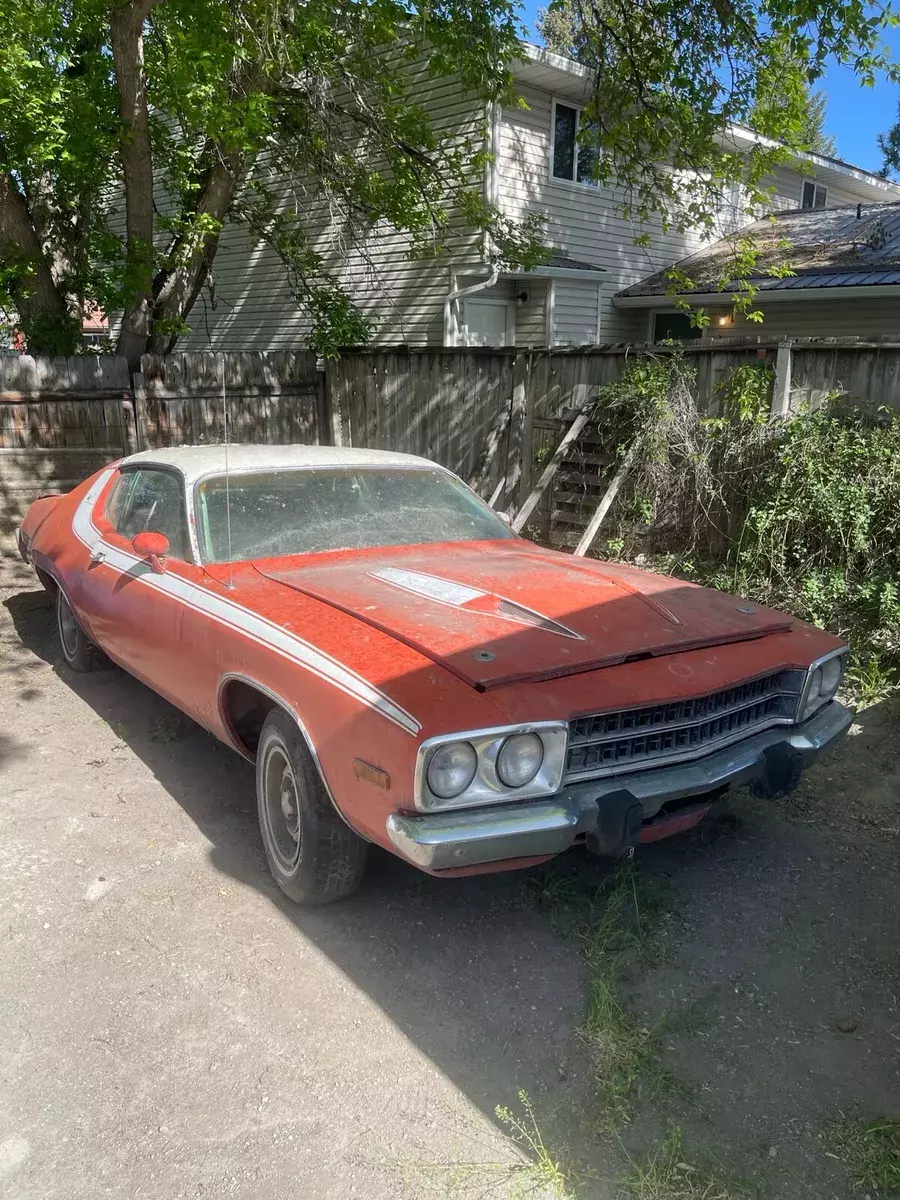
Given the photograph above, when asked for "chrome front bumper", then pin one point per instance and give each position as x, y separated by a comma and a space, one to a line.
465, 838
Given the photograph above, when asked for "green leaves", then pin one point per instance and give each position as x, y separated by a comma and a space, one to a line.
671, 79
311, 124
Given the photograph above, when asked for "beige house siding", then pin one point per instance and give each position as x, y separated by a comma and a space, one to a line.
582, 221
788, 186
844, 316
577, 311
251, 306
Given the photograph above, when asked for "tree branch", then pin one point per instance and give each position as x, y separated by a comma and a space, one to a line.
175, 290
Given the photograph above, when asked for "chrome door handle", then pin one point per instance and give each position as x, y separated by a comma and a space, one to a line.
97, 556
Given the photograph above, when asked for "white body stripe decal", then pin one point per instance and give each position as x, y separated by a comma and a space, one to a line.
234, 616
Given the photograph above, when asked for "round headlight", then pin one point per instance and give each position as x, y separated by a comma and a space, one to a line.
452, 769
831, 675
520, 759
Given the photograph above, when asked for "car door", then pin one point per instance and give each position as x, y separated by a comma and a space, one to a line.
134, 612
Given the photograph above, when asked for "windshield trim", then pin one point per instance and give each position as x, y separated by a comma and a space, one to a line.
200, 524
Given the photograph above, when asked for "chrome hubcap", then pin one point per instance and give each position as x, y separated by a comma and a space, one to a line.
281, 808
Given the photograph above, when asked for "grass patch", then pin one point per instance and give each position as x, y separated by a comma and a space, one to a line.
666, 1175
545, 1172
622, 931
618, 927
563, 888
870, 1151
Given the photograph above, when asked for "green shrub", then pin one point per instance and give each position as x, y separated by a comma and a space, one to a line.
800, 513
821, 536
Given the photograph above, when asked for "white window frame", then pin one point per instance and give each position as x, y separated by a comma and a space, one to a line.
816, 187
575, 182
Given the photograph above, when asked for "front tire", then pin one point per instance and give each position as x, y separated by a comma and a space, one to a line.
78, 650
313, 855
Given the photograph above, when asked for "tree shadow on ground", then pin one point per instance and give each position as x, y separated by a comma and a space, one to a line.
469, 969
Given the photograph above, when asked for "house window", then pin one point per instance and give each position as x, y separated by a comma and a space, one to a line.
813, 195
677, 327
570, 159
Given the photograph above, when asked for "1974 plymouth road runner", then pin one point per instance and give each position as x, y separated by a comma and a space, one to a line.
404, 670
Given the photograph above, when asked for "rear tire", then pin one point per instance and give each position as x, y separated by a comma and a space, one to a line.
313, 855
78, 650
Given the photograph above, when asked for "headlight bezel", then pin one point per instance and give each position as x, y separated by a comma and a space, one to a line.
487, 787
811, 703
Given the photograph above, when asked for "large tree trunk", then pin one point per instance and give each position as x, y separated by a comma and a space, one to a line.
126, 27
176, 291
43, 313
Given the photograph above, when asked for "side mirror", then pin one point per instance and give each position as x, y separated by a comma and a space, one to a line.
505, 518
154, 546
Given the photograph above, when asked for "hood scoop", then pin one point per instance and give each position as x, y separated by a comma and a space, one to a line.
461, 596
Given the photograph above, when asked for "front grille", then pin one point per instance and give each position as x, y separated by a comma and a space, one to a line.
639, 737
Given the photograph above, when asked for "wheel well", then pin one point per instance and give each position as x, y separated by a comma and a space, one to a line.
245, 709
47, 581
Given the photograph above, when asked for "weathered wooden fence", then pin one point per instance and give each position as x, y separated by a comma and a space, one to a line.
450, 404
491, 415
60, 419
269, 398
63, 418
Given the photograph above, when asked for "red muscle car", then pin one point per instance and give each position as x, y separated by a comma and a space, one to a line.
404, 670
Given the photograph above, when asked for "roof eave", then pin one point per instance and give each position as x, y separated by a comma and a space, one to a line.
847, 292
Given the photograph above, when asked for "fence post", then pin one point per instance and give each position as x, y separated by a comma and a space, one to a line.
129, 428
141, 441
327, 427
781, 392
519, 421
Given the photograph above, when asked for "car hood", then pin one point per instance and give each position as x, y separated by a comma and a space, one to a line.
496, 613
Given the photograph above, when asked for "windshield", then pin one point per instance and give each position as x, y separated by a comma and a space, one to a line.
304, 511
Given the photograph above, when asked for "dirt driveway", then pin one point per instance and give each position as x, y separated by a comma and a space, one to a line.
170, 1027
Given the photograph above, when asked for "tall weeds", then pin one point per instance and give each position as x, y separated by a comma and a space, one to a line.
800, 513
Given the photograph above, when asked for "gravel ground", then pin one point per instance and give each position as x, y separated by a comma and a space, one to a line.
170, 1027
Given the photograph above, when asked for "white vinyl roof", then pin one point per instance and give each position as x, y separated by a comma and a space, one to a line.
197, 461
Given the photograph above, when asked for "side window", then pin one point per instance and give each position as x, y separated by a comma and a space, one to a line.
118, 499
154, 501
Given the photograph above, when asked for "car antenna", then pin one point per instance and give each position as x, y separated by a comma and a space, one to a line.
227, 487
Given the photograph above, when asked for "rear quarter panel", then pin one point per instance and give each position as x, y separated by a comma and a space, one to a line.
53, 546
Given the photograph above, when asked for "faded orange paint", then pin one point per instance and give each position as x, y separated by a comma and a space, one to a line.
682, 641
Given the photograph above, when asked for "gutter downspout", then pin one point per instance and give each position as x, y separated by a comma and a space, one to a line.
459, 293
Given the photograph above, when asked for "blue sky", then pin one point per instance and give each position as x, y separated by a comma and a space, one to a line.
856, 115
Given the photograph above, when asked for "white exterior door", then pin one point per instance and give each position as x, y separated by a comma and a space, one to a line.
488, 322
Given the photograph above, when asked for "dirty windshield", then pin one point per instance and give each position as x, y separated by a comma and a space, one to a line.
305, 511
